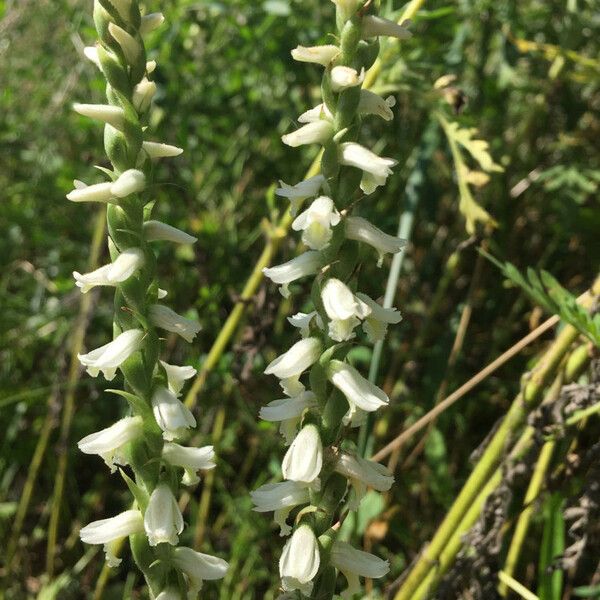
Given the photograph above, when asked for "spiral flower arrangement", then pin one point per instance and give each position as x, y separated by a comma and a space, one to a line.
146, 440
324, 477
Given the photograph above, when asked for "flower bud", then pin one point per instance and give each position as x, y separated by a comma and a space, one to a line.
197, 567
373, 26
110, 443
155, 231
347, 8
299, 266
358, 390
172, 416
300, 560
165, 318
321, 55
113, 115
191, 460
99, 192
317, 132
150, 22
163, 521
123, 8
129, 182
296, 360
123, 267
316, 223
108, 358
304, 459
361, 230
157, 150
143, 94
130, 46
345, 77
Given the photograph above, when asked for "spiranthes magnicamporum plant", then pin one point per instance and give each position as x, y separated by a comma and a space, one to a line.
146, 440
324, 476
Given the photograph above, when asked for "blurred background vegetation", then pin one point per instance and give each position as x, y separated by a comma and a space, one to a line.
527, 76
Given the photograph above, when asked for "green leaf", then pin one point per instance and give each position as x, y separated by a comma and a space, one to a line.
553, 545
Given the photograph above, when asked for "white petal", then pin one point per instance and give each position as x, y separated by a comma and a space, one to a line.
130, 46
113, 115
163, 521
107, 530
158, 150
321, 55
317, 132
129, 182
373, 26
287, 408
345, 77
172, 416
165, 318
304, 459
300, 560
177, 376
156, 231
355, 387
296, 360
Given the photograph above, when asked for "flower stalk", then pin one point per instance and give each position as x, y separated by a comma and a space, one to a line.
324, 476
143, 443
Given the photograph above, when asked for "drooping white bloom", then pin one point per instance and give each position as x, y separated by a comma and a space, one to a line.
373, 26
343, 308
296, 360
302, 321
304, 459
163, 521
150, 22
124, 266
281, 498
169, 594
318, 113
191, 459
358, 390
363, 473
317, 132
376, 169
355, 563
158, 150
143, 93
172, 416
130, 46
165, 318
110, 443
299, 266
316, 223
288, 412
347, 8
361, 230
108, 358
300, 560
198, 567
301, 191
321, 55
177, 376
345, 77
150, 66
113, 115
155, 231
110, 530
129, 182
91, 53
373, 104
377, 322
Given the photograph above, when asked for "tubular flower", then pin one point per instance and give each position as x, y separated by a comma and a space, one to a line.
152, 385
320, 481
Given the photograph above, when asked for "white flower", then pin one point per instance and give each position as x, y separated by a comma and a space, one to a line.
163, 520
288, 411
158, 150
113, 115
300, 266
316, 223
91, 53
317, 113
124, 266
108, 358
129, 182
356, 563
363, 473
304, 458
361, 230
177, 376
373, 104
168, 319
347, 8
198, 567
169, 594
301, 191
110, 443
376, 169
343, 308
317, 132
150, 22
296, 360
280, 498
172, 416
191, 459
345, 77
292, 386
321, 55
130, 46
373, 26
300, 560
376, 323
155, 231
143, 93
302, 321
106, 531
358, 390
